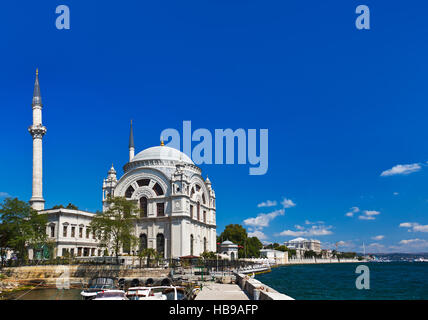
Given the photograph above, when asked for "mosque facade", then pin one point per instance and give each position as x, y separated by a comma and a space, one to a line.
177, 209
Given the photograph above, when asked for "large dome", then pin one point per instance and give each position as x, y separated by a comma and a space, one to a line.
162, 153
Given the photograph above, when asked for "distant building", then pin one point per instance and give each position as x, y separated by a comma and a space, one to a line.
326, 253
70, 231
301, 245
274, 256
229, 250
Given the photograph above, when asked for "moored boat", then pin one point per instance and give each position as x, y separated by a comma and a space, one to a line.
156, 293
111, 295
96, 285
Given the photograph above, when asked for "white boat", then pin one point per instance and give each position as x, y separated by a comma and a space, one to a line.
111, 295
420, 260
155, 293
97, 285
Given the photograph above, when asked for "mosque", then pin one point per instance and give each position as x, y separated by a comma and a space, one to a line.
177, 215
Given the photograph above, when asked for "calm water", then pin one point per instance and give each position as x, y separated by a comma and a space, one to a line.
390, 281
47, 294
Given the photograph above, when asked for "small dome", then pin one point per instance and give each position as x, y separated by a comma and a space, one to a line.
112, 171
162, 153
227, 242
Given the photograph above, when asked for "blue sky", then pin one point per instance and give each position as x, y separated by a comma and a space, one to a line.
341, 106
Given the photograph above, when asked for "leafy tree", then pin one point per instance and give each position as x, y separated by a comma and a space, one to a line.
148, 253
347, 255
58, 206
235, 233
248, 247
21, 227
309, 254
114, 227
253, 247
71, 206
291, 253
282, 248
209, 255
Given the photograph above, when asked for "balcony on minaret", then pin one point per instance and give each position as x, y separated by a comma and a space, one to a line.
37, 131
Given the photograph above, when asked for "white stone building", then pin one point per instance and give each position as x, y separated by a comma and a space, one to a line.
177, 205
274, 256
301, 245
229, 250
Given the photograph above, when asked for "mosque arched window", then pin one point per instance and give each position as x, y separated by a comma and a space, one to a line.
192, 192
203, 198
199, 211
143, 241
143, 182
129, 192
205, 244
191, 244
160, 209
143, 207
160, 244
158, 189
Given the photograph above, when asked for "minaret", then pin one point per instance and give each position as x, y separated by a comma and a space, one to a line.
131, 144
37, 131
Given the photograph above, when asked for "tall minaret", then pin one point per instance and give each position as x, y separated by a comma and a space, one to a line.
37, 131
131, 144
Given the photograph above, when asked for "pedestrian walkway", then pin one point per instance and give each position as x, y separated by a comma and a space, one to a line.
220, 291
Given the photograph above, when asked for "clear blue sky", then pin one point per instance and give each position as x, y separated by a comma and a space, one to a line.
341, 105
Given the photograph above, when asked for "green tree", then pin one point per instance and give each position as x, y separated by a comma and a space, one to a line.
114, 227
253, 247
248, 247
71, 206
209, 255
148, 253
291, 253
21, 227
235, 233
309, 254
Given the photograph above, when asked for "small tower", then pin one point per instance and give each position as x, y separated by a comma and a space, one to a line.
109, 185
37, 131
131, 144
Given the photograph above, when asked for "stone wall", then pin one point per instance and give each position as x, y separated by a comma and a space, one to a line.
81, 272
257, 290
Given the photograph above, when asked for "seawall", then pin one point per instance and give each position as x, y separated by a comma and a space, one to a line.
322, 261
78, 273
256, 290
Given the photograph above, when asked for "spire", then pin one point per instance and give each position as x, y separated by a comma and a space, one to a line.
112, 171
162, 143
131, 138
37, 98
131, 144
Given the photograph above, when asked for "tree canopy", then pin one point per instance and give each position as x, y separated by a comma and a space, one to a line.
21, 227
248, 246
114, 227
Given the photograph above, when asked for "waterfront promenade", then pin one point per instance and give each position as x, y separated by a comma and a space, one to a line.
221, 291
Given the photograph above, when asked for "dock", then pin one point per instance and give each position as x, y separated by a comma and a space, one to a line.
221, 291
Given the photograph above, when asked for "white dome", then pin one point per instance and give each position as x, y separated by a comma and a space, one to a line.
162, 153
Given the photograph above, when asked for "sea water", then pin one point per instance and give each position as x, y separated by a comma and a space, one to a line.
389, 281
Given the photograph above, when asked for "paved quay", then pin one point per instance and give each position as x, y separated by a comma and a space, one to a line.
219, 291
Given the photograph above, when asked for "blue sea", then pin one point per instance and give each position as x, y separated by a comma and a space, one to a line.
388, 281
